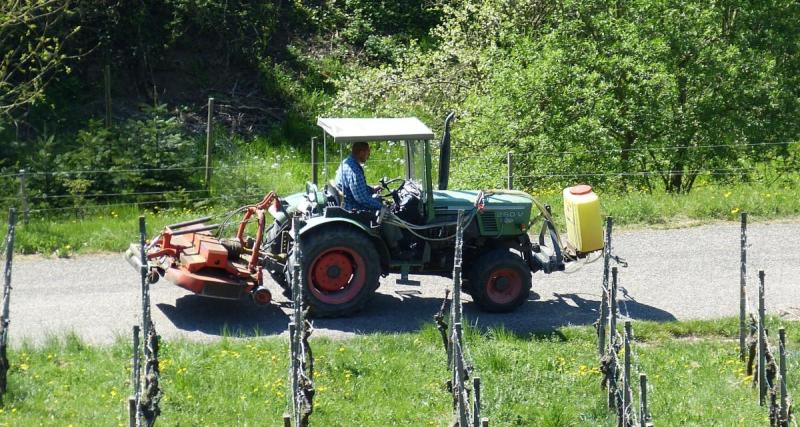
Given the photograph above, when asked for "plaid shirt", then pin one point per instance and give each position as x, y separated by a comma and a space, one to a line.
357, 195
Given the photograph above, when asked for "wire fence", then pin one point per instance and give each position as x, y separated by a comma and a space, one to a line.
35, 191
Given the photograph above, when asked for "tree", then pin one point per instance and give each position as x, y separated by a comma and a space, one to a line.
32, 42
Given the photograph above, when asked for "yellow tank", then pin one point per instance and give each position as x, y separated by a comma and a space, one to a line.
582, 214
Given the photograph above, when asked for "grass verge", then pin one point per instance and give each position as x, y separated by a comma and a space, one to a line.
543, 380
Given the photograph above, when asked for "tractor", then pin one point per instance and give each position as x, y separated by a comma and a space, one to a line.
345, 253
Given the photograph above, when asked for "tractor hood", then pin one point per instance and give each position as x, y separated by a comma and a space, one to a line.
493, 199
505, 212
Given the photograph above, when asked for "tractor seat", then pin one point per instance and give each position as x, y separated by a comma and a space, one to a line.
334, 194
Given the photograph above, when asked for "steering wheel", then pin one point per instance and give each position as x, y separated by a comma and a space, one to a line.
385, 182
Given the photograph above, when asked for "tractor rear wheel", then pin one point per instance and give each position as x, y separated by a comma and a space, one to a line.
341, 270
499, 281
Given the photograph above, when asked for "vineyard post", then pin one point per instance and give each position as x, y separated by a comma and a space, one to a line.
5, 316
133, 401
643, 400
612, 332
601, 331
476, 407
742, 288
626, 378
762, 345
784, 418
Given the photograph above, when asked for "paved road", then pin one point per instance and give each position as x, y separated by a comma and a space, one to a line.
686, 273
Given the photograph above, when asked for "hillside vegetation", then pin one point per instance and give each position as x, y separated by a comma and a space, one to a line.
647, 96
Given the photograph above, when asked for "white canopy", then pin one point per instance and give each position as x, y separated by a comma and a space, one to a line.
382, 129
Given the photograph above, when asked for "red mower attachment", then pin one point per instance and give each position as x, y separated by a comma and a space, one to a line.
190, 256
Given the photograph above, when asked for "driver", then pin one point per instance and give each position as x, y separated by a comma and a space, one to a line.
358, 196
351, 180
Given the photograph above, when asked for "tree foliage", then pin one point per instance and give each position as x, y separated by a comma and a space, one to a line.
624, 92
32, 40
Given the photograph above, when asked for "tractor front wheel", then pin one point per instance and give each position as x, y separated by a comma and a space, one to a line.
499, 281
341, 270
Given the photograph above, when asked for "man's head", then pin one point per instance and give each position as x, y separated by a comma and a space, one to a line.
360, 151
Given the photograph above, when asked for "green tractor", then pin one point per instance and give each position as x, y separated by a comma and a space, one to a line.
345, 253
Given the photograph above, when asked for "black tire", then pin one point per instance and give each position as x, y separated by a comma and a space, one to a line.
341, 270
499, 281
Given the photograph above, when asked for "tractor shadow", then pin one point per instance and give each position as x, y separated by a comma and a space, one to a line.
385, 314
388, 312
224, 317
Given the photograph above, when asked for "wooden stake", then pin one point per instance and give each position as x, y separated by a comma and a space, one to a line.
762, 345
209, 141
612, 324
132, 413
107, 84
314, 160
784, 417
643, 400
23, 195
287, 420
510, 171
601, 327
626, 377
743, 289
476, 407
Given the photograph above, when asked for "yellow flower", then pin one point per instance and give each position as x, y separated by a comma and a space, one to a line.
24, 366
728, 194
734, 211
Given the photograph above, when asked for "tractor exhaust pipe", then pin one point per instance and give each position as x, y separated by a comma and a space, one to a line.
444, 153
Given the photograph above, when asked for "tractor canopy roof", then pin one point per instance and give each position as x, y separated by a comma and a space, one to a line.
346, 130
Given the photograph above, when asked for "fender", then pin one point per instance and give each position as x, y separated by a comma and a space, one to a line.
320, 224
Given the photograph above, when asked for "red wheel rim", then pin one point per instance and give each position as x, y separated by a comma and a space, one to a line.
337, 275
504, 285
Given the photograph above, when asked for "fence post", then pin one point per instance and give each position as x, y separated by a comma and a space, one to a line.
762, 362
626, 378
4, 318
314, 160
209, 141
510, 172
784, 416
643, 400
742, 288
23, 195
107, 84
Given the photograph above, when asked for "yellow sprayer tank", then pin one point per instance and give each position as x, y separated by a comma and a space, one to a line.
582, 214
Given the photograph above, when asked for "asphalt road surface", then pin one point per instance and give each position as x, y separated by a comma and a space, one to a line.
689, 273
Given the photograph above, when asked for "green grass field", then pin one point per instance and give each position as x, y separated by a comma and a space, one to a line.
550, 379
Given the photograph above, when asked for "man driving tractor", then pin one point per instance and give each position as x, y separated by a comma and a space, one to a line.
351, 180
358, 196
